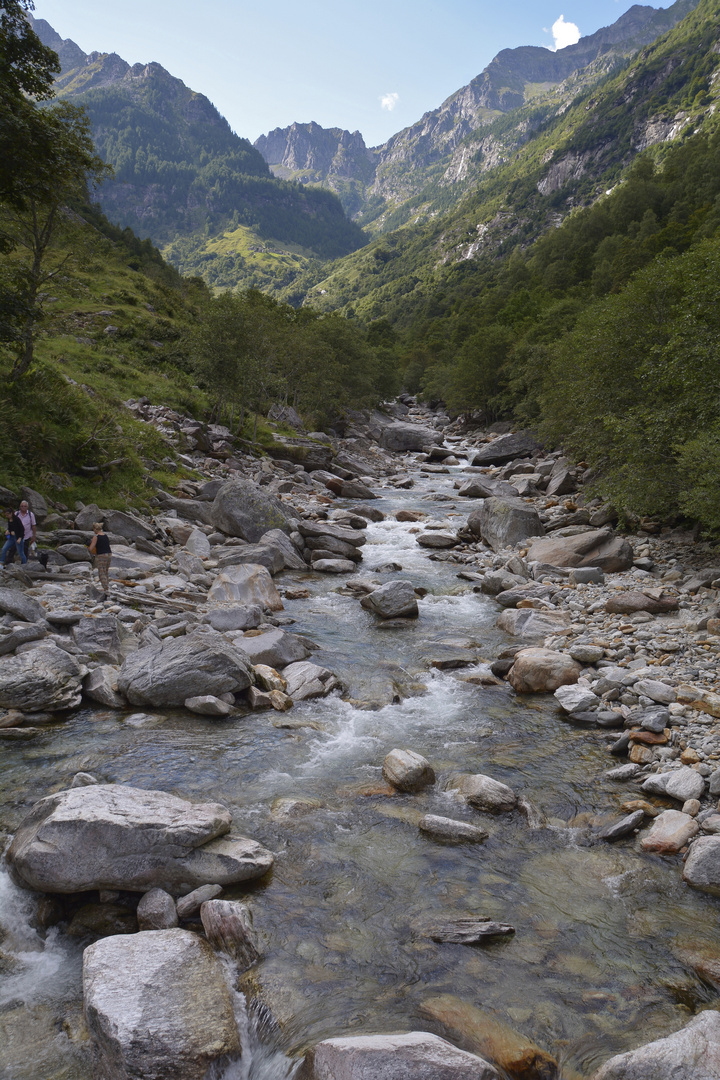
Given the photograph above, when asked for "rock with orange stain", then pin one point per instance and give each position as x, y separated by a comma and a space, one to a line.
482, 1034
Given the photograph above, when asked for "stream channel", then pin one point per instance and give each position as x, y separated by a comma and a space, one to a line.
591, 969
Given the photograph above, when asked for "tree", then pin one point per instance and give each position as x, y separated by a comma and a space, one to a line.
26, 69
34, 224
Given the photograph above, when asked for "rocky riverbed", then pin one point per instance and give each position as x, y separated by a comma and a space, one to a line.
444, 744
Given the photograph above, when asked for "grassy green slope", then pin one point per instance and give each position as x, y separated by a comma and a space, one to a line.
111, 331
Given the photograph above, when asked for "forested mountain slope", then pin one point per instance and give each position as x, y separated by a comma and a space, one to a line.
182, 176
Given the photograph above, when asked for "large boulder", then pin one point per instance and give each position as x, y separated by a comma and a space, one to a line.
250, 584
542, 671
254, 554
98, 637
320, 530
157, 1005
42, 680
396, 435
394, 600
504, 523
702, 866
203, 662
483, 792
237, 617
242, 508
109, 836
531, 624
15, 602
311, 455
276, 648
517, 444
597, 547
305, 680
681, 784
484, 487
116, 521
692, 1053
407, 771
670, 831
416, 1055
628, 603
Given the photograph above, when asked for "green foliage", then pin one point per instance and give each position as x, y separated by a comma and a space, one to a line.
251, 351
635, 388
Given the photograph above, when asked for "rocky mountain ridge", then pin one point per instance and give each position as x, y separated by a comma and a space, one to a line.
435, 148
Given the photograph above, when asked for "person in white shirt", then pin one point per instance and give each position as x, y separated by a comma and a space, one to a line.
29, 524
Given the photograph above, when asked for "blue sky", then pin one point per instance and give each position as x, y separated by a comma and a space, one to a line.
374, 66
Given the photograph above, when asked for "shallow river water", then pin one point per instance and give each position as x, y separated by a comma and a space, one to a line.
592, 968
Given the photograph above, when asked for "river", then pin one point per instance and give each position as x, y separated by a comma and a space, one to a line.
592, 967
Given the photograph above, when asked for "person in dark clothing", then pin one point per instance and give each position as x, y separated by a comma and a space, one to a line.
14, 536
99, 548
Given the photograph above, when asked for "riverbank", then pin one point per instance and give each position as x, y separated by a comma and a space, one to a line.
311, 786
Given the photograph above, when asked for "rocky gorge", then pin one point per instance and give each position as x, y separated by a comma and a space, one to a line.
454, 814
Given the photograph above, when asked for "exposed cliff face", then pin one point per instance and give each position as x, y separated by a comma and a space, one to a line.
448, 145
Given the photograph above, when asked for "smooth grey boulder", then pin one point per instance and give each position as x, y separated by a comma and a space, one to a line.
259, 554
483, 792
531, 625
115, 521
517, 444
246, 584
276, 648
321, 529
157, 1006
484, 487
682, 784
208, 705
242, 508
399, 436
600, 548
237, 617
334, 546
415, 1055
407, 771
202, 662
394, 600
45, 679
692, 1053
15, 602
702, 865
305, 680
98, 637
109, 836
504, 523
156, 911
334, 566
450, 831
198, 544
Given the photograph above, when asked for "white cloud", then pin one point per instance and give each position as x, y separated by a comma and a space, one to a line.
564, 33
389, 101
